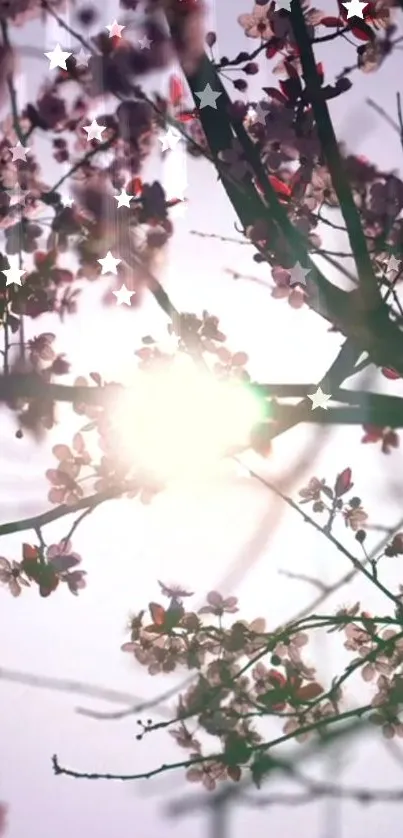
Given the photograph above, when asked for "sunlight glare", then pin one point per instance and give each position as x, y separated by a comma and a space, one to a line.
180, 421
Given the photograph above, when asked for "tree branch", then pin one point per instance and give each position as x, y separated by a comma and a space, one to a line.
37, 521
370, 294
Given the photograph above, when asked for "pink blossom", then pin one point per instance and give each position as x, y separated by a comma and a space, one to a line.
218, 605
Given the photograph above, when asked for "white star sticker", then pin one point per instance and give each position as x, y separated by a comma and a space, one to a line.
319, 399
208, 97
115, 30
145, 42
170, 139
109, 264
82, 58
20, 152
57, 58
123, 296
298, 274
354, 8
13, 275
94, 131
123, 199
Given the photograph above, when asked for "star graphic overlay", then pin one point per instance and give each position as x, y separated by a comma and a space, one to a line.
319, 399
94, 131
109, 264
283, 4
259, 113
82, 58
20, 152
115, 29
13, 275
355, 8
123, 296
57, 58
123, 200
394, 265
170, 139
145, 42
298, 274
208, 97
17, 195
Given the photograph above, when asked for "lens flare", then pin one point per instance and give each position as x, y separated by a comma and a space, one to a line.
178, 422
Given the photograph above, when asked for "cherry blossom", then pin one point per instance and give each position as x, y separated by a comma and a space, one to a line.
256, 24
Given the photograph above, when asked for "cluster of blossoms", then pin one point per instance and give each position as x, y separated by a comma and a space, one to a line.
327, 499
105, 458
45, 567
245, 673
281, 127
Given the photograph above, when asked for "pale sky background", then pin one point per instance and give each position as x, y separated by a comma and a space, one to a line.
194, 534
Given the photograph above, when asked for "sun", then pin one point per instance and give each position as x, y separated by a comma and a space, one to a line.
179, 421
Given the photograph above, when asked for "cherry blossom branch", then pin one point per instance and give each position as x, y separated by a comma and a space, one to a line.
64, 25
38, 521
357, 564
83, 160
278, 213
260, 748
376, 334
368, 284
244, 56
139, 707
267, 764
374, 408
11, 87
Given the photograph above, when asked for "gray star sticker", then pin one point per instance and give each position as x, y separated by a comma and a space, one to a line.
82, 58
283, 4
260, 113
145, 42
298, 274
208, 97
393, 265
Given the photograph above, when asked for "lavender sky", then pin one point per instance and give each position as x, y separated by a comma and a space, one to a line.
227, 530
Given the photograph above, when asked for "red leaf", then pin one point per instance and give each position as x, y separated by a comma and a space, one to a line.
275, 94
186, 116
29, 553
176, 91
331, 21
280, 187
135, 187
273, 47
44, 259
292, 72
362, 31
291, 88
309, 691
390, 373
343, 483
320, 71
